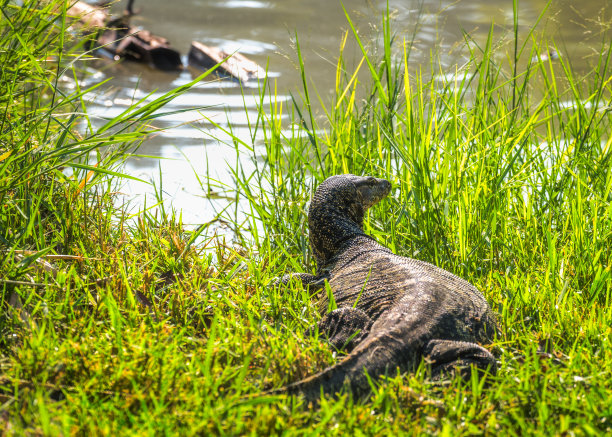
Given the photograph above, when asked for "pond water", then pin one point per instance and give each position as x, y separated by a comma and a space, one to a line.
193, 148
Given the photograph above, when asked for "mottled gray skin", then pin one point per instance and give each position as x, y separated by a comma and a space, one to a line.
392, 311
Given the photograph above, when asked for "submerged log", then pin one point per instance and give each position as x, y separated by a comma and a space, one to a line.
237, 66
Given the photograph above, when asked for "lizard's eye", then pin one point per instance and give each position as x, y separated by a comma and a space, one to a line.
371, 180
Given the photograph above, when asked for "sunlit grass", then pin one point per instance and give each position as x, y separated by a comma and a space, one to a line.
501, 174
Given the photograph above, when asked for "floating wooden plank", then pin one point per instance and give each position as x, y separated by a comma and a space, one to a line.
237, 66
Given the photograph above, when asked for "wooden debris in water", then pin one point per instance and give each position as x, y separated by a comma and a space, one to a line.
237, 66
133, 44
124, 41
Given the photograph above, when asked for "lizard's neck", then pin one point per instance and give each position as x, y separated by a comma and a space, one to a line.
330, 230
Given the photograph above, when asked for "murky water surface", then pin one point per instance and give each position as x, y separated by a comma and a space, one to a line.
194, 148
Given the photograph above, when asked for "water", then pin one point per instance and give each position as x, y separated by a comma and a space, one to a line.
193, 148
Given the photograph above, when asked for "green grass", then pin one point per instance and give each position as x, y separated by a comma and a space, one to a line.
502, 175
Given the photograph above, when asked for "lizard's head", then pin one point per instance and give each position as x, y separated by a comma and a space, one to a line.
354, 194
337, 210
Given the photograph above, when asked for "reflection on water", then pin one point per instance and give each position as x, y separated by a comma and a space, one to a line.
195, 146
243, 4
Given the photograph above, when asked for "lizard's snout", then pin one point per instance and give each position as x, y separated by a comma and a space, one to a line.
386, 187
373, 191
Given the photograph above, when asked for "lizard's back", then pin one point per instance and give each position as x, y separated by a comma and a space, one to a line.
369, 277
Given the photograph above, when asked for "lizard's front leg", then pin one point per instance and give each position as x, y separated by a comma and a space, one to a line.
312, 283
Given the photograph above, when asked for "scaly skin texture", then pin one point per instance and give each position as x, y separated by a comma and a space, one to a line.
392, 311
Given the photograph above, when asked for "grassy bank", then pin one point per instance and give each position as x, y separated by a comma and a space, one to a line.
502, 175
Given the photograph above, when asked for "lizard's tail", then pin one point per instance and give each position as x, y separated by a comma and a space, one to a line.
353, 373
328, 381
374, 358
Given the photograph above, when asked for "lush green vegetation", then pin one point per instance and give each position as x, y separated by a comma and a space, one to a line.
502, 173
